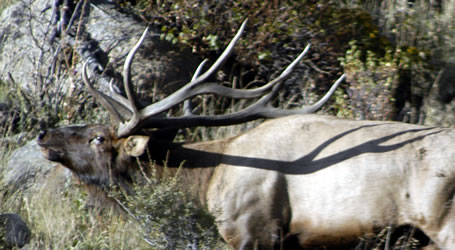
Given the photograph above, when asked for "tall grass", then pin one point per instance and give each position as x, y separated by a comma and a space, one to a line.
59, 219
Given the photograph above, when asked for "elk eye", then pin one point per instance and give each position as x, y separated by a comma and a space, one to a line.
98, 140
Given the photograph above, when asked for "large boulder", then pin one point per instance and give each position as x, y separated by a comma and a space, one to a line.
28, 171
30, 53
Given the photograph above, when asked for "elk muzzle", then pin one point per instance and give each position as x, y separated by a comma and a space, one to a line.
48, 148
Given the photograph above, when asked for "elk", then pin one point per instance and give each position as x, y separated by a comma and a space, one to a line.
309, 179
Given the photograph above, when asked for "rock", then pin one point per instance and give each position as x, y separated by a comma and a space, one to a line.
13, 231
27, 57
158, 62
28, 171
23, 50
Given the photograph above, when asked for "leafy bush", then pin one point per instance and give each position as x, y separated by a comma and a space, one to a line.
169, 216
378, 81
373, 82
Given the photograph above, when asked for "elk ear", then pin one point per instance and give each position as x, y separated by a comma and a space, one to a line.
135, 145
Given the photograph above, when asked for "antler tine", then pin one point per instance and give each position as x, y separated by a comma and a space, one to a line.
187, 108
127, 73
276, 83
325, 98
104, 100
263, 107
222, 58
119, 98
236, 93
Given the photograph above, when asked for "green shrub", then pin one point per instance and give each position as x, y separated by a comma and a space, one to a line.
169, 216
377, 80
373, 82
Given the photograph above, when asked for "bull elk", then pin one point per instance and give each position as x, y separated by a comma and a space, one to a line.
318, 180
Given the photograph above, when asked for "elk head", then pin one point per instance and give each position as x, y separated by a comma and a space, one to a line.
93, 153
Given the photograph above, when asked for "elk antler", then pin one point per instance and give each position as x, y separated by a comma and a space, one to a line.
134, 119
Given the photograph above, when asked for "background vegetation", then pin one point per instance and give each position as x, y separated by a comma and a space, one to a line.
391, 50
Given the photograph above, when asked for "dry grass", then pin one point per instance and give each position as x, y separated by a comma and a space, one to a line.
58, 219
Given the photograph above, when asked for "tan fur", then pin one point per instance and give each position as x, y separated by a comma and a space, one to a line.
323, 180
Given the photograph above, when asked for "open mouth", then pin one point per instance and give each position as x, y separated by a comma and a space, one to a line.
52, 155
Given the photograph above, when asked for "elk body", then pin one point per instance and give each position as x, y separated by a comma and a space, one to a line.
311, 179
